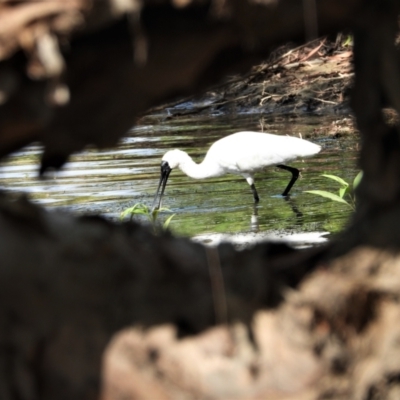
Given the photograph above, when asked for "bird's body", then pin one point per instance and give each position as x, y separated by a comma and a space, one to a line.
242, 153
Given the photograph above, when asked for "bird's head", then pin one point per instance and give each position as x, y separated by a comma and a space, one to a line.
174, 158
171, 159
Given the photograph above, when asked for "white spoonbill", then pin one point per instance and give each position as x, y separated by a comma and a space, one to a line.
242, 153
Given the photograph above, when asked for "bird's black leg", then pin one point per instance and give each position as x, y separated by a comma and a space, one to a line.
295, 174
255, 194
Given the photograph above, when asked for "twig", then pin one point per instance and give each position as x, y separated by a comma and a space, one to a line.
312, 52
268, 97
324, 101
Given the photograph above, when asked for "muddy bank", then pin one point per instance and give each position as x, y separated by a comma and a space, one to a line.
314, 78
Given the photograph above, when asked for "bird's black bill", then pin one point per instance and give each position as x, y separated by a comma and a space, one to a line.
165, 171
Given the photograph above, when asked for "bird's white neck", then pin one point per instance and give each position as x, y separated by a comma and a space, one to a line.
206, 169
199, 171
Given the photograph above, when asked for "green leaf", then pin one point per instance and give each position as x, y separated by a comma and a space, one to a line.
164, 209
152, 215
126, 212
168, 221
348, 41
138, 208
357, 179
337, 179
343, 191
328, 195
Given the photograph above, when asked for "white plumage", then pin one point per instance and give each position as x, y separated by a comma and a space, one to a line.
242, 153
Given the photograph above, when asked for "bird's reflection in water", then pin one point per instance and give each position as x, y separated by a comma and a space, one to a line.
254, 223
254, 219
293, 206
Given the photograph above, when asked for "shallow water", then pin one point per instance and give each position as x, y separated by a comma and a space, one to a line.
107, 182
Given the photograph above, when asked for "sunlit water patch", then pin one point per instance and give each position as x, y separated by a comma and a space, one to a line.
107, 182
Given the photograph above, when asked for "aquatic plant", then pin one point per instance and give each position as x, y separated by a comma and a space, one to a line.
152, 215
346, 192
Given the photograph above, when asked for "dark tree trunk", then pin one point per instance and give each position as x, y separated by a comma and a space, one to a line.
68, 284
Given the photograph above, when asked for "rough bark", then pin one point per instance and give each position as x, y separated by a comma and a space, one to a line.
69, 284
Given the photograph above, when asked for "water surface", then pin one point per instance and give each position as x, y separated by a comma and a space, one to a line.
107, 182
